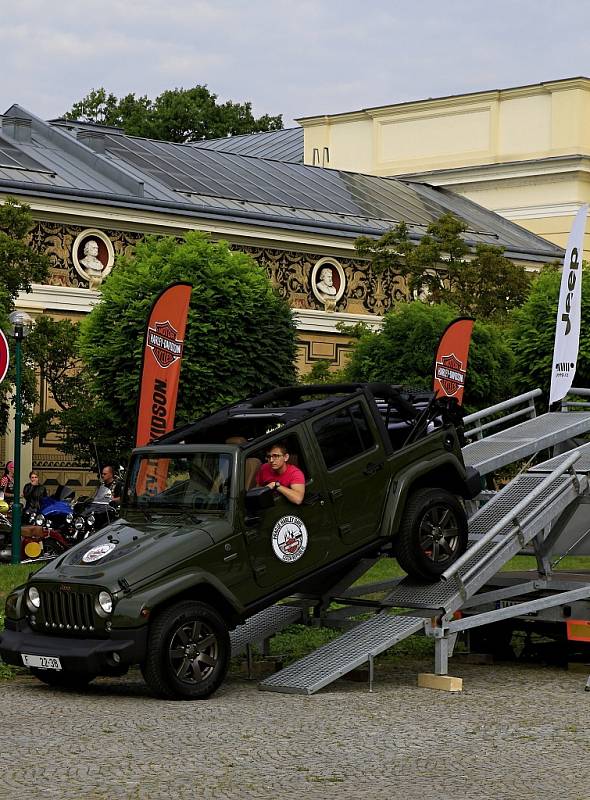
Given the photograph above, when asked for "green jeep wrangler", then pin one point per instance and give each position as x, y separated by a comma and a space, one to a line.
197, 551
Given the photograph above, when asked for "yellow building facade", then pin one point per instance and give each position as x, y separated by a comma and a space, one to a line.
522, 152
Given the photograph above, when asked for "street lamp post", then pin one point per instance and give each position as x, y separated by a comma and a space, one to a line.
21, 325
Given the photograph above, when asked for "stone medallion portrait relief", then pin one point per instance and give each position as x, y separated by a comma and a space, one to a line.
93, 256
328, 282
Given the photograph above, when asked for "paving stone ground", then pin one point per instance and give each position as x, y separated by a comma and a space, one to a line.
516, 732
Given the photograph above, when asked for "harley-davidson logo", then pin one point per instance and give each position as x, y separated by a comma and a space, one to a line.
164, 344
450, 373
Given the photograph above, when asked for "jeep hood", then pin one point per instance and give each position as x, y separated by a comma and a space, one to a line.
131, 553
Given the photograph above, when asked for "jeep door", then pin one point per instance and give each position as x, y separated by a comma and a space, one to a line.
357, 476
287, 541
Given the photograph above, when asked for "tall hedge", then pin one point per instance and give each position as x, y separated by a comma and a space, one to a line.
533, 333
240, 337
403, 351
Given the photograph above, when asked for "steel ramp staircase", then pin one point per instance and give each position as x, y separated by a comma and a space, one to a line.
525, 439
263, 625
522, 511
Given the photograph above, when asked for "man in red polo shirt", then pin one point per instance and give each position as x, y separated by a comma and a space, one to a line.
278, 474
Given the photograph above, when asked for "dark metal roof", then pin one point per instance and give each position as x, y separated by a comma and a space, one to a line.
284, 145
200, 181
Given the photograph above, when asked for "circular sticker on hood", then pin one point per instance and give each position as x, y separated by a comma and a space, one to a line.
289, 539
98, 552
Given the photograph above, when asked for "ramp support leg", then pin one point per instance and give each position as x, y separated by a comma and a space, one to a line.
587, 687
371, 659
249, 660
443, 650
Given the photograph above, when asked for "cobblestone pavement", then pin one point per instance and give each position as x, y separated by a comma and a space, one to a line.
515, 732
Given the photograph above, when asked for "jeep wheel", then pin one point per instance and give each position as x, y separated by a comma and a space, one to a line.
63, 679
432, 534
188, 652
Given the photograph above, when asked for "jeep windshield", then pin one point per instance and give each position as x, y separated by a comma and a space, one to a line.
193, 481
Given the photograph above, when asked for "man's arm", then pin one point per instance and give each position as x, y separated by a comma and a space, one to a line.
294, 493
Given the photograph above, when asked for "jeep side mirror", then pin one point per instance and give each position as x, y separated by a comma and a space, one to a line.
258, 499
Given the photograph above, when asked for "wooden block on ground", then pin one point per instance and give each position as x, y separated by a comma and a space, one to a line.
447, 683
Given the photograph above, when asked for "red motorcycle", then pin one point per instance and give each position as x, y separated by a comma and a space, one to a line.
37, 543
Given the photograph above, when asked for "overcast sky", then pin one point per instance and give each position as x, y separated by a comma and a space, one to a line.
297, 57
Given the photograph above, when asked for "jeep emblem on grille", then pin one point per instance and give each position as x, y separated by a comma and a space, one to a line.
64, 587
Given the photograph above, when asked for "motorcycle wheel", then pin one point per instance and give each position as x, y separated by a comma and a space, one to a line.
62, 679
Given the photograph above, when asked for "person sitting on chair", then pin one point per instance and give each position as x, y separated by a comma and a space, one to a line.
278, 474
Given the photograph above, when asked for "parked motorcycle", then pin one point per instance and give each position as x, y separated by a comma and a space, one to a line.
38, 543
55, 513
93, 513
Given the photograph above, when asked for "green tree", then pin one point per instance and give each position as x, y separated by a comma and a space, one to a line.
442, 269
240, 339
403, 352
20, 266
176, 115
52, 348
533, 333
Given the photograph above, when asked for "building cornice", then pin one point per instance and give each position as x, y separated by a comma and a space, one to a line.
68, 300
547, 87
484, 173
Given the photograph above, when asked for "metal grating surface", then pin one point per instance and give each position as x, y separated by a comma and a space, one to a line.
581, 465
262, 625
525, 439
342, 655
518, 489
436, 596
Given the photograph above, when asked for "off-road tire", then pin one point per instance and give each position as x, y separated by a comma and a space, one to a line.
62, 679
432, 534
188, 652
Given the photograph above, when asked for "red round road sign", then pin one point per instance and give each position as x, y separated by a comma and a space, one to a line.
4, 356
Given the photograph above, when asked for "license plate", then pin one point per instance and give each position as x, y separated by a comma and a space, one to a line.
41, 662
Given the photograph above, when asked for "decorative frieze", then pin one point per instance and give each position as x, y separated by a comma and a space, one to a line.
350, 285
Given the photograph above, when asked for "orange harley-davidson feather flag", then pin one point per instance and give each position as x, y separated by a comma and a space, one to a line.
450, 365
162, 357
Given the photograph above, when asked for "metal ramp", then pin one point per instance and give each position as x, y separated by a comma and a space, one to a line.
525, 439
340, 656
523, 511
263, 625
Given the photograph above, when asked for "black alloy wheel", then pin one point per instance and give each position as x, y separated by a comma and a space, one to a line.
433, 533
188, 652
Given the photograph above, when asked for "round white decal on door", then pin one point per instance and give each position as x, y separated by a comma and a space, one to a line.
289, 539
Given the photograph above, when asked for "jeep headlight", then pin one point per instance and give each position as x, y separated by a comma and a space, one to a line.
33, 599
104, 603
69, 518
79, 523
90, 520
39, 519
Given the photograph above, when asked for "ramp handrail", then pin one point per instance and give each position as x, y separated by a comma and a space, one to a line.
566, 404
529, 411
508, 518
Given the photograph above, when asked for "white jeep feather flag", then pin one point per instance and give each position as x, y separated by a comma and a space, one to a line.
567, 328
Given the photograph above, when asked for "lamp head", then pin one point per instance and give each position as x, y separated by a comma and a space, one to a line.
21, 324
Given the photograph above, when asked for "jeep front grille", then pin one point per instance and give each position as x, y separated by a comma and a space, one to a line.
66, 611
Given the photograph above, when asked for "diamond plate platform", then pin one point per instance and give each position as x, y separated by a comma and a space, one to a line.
342, 655
525, 439
262, 625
